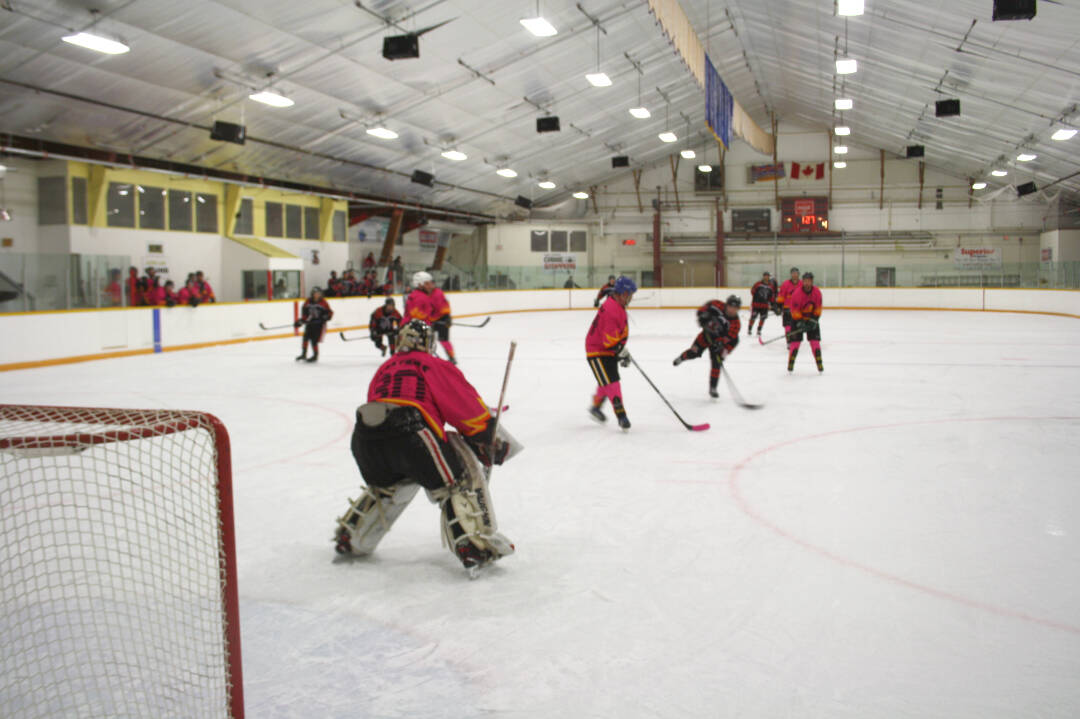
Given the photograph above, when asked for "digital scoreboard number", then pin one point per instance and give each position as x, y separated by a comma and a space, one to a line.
804, 215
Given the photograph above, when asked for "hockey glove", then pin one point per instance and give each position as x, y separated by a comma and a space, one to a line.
296, 325
481, 450
623, 355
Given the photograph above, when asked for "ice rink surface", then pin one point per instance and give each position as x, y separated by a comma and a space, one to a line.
897, 537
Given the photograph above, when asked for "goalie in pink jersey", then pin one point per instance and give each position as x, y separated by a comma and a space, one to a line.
605, 349
400, 444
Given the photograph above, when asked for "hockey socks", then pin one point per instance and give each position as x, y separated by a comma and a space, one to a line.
714, 379
791, 356
620, 413
594, 411
816, 346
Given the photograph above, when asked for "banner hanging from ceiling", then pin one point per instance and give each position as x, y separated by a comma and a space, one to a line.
719, 105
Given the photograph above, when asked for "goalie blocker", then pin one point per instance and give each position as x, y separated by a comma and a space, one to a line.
400, 444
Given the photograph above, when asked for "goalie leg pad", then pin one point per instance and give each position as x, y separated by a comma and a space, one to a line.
370, 517
469, 527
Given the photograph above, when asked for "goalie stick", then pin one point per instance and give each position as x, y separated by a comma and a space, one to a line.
691, 427
276, 327
466, 324
735, 393
500, 407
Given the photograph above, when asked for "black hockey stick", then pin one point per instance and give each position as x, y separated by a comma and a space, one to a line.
352, 339
466, 324
736, 394
691, 427
276, 327
781, 337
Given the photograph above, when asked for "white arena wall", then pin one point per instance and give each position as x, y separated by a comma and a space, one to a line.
43, 338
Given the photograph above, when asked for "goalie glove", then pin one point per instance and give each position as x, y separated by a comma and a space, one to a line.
481, 450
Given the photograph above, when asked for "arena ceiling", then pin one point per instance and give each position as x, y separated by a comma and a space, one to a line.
481, 81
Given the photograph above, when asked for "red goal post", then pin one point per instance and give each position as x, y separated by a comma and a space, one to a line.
117, 564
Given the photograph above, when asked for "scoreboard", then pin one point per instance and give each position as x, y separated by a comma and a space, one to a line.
804, 215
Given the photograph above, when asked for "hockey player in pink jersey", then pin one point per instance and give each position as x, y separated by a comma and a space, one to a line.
428, 303
805, 306
605, 349
783, 299
400, 444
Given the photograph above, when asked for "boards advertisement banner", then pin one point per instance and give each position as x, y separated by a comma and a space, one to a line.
977, 258
560, 262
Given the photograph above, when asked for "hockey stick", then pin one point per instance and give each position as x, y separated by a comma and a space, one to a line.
781, 337
735, 393
691, 427
465, 324
276, 327
352, 339
499, 408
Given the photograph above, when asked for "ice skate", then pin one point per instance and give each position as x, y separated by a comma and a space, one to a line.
301, 357
624, 423
342, 541
713, 393
312, 358
597, 414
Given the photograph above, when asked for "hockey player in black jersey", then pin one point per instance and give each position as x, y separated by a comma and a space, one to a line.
762, 297
719, 322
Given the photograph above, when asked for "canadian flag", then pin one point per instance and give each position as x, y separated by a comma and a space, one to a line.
807, 172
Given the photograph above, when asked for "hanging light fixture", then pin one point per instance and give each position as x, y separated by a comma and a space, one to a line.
999, 173
97, 43
978, 186
598, 79
506, 172
849, 8
546, 184
667, 135
1026, 157
688, 153
1065, 133
640, 112
538, 26
455, 155
382, 133
271, 98
581, 195
844, 103
842, 130
840, 149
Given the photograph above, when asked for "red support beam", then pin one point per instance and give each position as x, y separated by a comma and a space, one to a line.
721, 270
658, 267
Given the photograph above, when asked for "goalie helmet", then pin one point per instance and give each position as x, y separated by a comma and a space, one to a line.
734, 301
419, 278
416, 335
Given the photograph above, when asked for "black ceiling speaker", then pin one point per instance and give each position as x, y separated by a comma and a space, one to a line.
547, 124
228, 132
1026, 189
522, 201
947, 108
423, 178
1014, 9
916, 151
620, 161
401, 47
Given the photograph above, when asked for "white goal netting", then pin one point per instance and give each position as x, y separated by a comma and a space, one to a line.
117, 568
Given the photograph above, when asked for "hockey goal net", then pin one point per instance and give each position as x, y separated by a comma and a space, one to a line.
117, 565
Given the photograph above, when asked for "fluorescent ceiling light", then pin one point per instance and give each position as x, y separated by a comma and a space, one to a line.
849, 7
846, 66
1025, 157
382, 133
704, 168
546, 184
999, 173
271, 98
538, 26
505, 172
1064, 133
598, 79
581, 195
842, 130
840, 149
642, 113
668, 136
688, 154
455, 155
97, 43
979, 186
839, 164
844, 103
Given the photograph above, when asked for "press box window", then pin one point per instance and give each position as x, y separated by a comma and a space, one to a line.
52, 201
293, 215
151, 207
340, 227
206, 219
245, 218
539, 240
79, 209
311, 223
120, 205
558, 241
273, 219
577, 241
180, 210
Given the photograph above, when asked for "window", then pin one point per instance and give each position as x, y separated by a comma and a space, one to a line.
558, 241
151, 207
286, 284
311, 223
341, 233
52, 201
120, 205
180, 210
577, 241
206, 219
245, 218
273, 219
292, 222
539, 240
254, 282
79, 208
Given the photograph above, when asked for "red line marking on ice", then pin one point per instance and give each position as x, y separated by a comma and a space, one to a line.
744, 505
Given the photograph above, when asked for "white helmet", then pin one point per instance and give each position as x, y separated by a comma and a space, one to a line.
419, 278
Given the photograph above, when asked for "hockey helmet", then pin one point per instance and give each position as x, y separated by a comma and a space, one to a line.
624, 285
611, 278
734, 301
808, 275
416, 335
419, 278
316, 289
389, 302
765, 274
